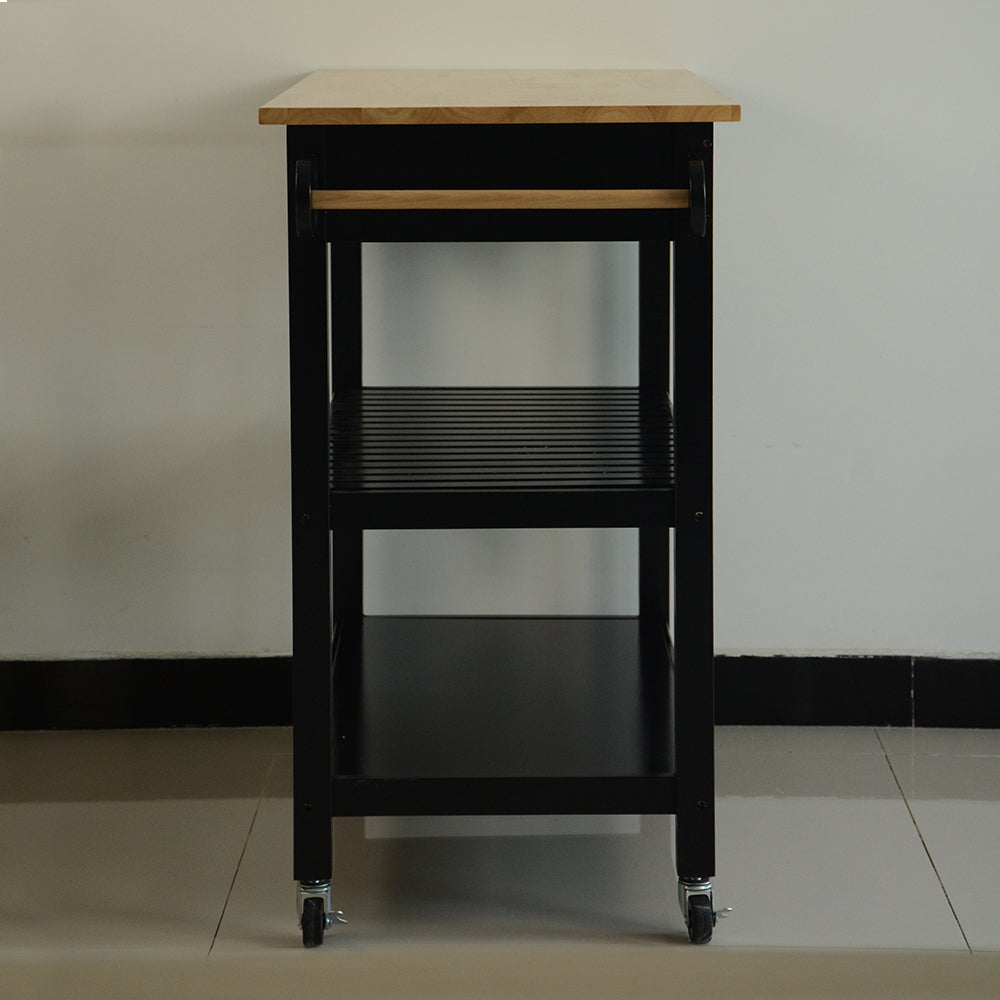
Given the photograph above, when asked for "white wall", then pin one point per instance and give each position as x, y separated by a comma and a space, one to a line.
143, 498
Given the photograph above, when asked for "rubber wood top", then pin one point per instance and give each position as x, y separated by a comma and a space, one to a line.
441, 97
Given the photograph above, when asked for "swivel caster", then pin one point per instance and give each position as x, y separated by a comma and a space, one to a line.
695, 897
316, 912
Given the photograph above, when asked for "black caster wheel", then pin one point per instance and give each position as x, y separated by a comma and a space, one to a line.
701, 919
313, 922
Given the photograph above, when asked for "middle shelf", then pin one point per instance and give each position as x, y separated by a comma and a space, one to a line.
501, 457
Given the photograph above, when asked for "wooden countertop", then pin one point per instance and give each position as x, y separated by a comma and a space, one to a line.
500, 97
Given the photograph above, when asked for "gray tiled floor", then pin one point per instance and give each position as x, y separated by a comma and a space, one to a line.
149, 846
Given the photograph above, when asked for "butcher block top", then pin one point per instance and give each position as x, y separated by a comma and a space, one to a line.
497, 97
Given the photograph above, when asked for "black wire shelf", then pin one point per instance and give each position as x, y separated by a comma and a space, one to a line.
501, 457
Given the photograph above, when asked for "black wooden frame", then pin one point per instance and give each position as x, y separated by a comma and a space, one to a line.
672, 672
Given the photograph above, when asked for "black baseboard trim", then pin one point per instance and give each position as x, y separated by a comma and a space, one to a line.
257, 691
145, 693
813, 690
959, 693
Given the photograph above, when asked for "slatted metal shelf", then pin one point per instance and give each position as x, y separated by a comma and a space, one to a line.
491, 457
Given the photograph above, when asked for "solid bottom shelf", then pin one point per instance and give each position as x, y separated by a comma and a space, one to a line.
502, 715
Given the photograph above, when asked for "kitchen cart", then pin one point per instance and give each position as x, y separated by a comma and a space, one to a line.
450, 715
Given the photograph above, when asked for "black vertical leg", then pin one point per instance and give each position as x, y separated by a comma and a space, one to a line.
348, 602
654, 540
311, 583
345, 320
345, 314
654, 314
693, 627
654, 376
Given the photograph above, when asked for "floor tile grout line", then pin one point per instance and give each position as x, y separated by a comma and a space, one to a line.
923, 843
243, 853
